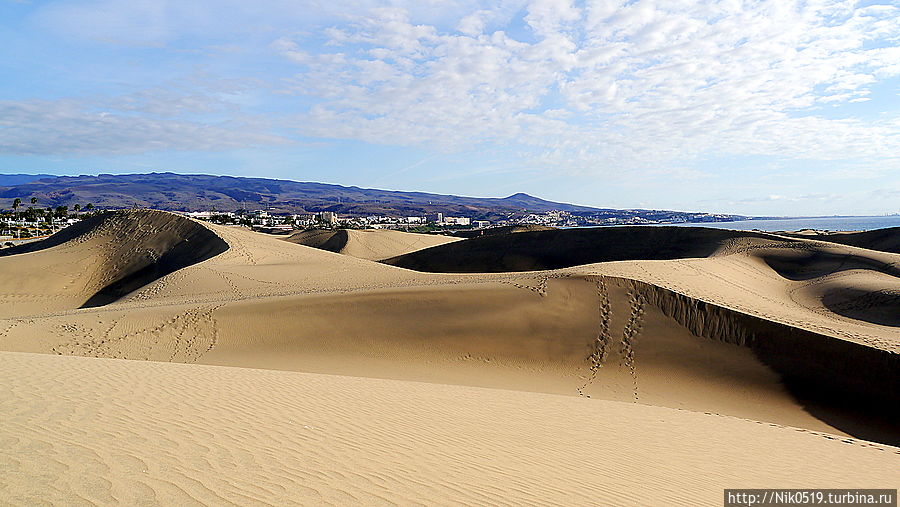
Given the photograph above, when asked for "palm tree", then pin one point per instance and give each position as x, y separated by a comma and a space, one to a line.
30, 212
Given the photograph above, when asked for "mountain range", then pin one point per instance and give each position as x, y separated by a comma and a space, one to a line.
191, 192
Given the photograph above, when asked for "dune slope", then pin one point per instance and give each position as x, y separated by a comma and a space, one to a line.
497, 231
553, 249
368, 244
885, 240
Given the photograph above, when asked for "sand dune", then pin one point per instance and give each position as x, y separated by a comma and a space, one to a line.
754, 326
554, 249
376, 244
499, 231
100, 260
885, 240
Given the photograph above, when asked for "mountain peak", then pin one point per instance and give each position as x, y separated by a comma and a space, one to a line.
521, 195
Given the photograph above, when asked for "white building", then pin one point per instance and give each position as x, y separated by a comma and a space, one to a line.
457, 220
437, 218
202, 215
329, 217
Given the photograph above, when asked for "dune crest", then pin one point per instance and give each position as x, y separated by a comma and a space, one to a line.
562, 248
375, 244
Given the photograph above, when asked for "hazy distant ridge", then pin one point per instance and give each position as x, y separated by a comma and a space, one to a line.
8, 180
170, 191
181, 192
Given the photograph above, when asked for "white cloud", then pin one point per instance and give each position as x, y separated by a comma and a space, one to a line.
591, 87
67, 126
611, 85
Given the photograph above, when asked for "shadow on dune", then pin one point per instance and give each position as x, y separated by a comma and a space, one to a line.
323, 239
554, 249
850, 386
885, 240
182, 254
132, 247
165, 244
499, 231
807, 264
876, 306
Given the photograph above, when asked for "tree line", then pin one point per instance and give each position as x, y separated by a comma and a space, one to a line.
35, 214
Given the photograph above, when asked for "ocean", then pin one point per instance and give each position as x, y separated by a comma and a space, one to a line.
796, 224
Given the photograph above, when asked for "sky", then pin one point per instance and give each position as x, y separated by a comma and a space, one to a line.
760, 107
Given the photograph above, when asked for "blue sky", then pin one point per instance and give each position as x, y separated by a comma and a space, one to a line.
762, 107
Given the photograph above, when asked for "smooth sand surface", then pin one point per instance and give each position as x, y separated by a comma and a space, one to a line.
85, 431
783, 331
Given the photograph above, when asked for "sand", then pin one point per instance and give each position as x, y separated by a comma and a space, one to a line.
886, 240
371, 244
629, 354
82, 431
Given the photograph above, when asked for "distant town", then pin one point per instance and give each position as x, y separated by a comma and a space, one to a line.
429, 222
28, 221
435, 222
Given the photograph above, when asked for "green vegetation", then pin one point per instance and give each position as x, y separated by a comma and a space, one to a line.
34, 221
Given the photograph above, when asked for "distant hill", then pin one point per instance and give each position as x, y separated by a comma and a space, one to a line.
199, 192
168, 191
8, 180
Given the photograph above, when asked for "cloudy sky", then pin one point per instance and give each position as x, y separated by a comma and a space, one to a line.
756, 106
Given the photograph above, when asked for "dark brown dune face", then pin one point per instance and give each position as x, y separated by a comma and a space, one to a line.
147, 245
848, 385
133, 248
499, 231
323, 239
554, 249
